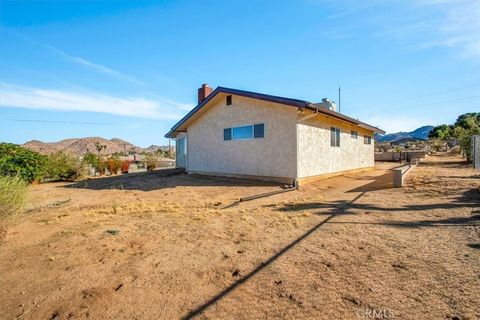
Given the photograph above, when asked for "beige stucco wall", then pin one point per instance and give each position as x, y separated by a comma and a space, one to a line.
317, 157
272, 156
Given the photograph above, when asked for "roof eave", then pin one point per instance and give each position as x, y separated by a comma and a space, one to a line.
301, 104
340, 116
254, 95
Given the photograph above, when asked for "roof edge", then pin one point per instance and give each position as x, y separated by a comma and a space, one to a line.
277, 99
343, 117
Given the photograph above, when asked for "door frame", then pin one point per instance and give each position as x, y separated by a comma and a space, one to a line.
182, 136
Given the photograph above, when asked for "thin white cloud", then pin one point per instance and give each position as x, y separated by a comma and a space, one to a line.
48, 99
79, 60
413, 24
335, 33
457, 25
93, 66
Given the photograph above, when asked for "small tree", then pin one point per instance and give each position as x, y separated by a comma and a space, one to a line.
96, 162
65, 166
18, 161
100, 147
441, 132
466, 126
91, 159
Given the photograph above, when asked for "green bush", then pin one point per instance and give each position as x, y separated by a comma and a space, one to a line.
96, 162
18, 161
91, 159
466, 126
65, 166
12, 195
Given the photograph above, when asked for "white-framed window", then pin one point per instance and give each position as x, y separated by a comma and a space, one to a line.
367, 139
254, 131
335, 137
354, 134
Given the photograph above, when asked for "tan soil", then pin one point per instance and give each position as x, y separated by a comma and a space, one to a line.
177, 247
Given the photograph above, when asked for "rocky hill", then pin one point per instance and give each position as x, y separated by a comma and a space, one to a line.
84, 145
419, 133
127, 146
80, 146
40, 147
155, 148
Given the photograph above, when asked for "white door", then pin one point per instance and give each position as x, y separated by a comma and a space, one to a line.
182, 152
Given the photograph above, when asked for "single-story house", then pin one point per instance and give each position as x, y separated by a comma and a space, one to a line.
237, 133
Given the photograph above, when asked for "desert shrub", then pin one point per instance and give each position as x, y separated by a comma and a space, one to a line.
101, 167
26, 164
91, 159
125, 166
114, 165
151, 161
97, 163
12, 195
65, 166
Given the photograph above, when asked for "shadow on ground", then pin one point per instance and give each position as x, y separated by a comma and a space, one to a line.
468, 199
330, 210
199, 310
384, 181
160, 179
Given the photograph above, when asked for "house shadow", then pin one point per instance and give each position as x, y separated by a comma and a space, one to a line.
329, 211
223, 293
161, 179
469, 199
470, 221
382, 182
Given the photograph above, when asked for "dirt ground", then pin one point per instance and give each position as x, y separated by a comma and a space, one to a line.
151, 246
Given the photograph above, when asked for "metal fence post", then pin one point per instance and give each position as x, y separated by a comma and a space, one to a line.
476, 152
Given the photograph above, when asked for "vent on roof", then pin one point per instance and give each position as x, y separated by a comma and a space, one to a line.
327, 104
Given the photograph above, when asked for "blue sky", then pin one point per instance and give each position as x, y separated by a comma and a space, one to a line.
131, 69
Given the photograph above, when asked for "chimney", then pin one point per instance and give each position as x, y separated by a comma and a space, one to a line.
203, 92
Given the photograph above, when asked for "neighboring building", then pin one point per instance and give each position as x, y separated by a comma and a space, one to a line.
245, 134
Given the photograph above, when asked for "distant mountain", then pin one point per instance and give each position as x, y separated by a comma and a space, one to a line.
84, 145
419, 133
80, 146
40, 147
155, 148
127, 146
